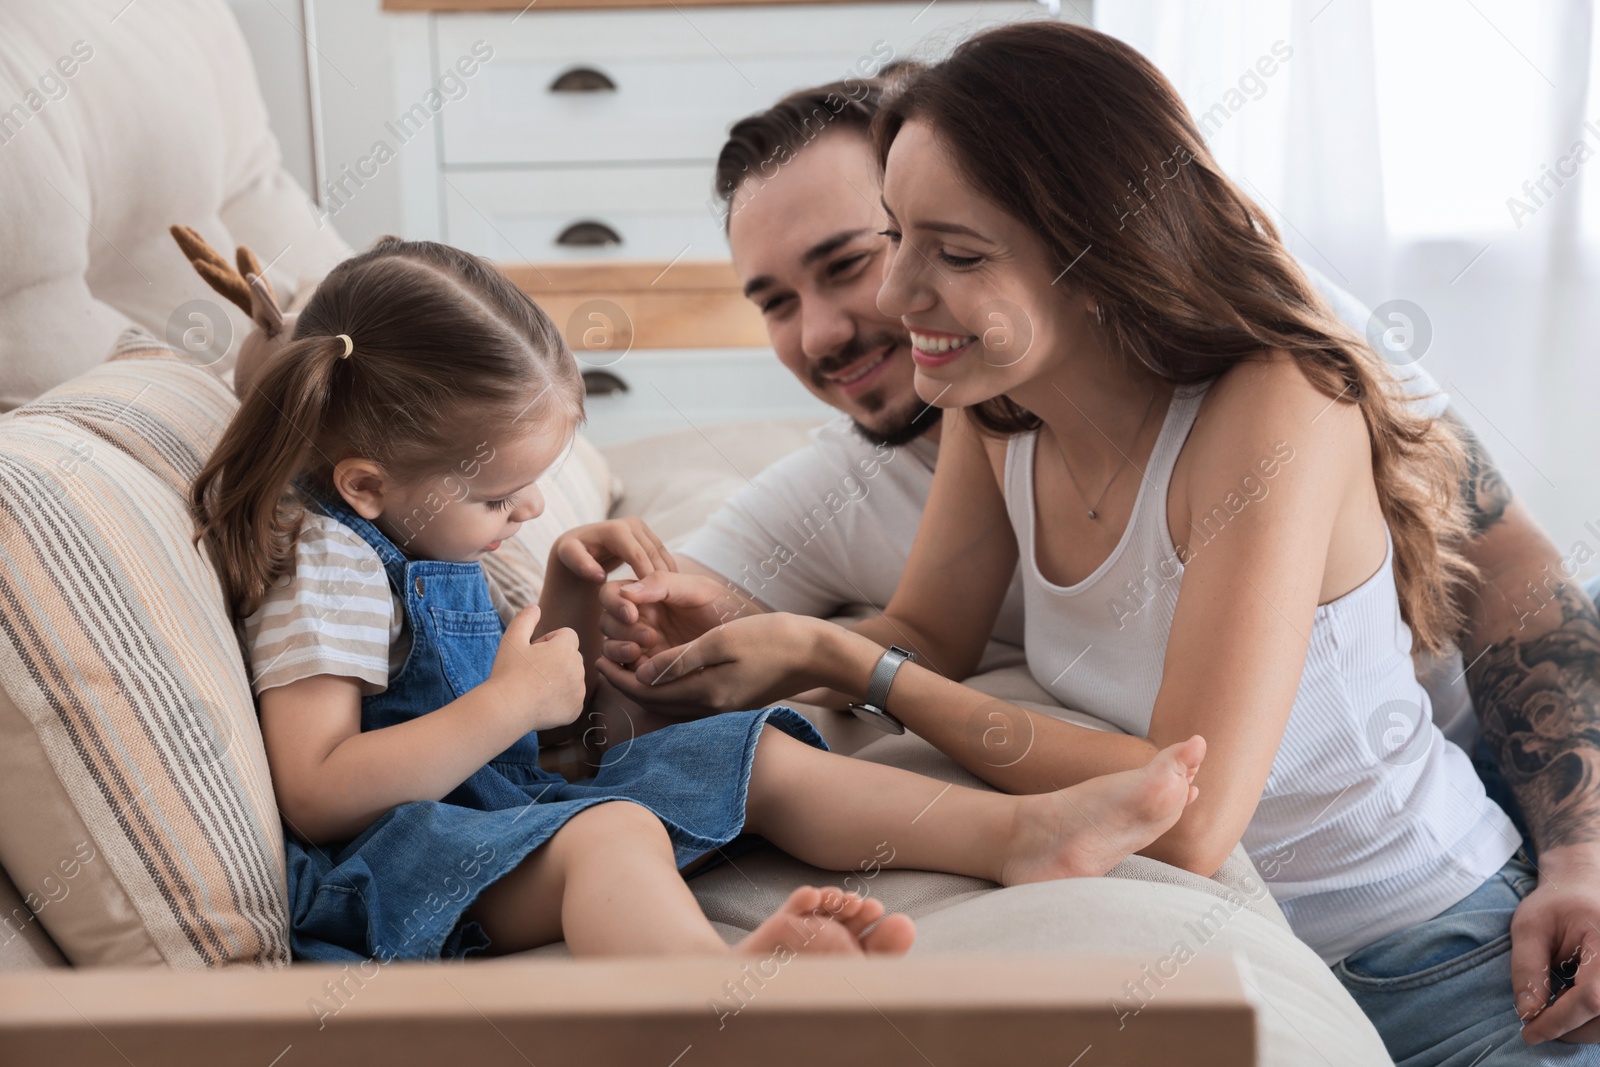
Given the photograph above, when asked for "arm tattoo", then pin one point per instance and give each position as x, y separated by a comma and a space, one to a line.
1538, 700
1537, 691
1483, 490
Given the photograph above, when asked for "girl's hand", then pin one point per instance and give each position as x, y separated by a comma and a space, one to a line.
591, 552
643, 617
539, 681
749, 662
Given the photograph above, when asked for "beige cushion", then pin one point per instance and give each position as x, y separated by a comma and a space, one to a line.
90, 183
24, 946
1303, 1015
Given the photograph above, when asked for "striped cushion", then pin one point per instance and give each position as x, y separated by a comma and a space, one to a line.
127, 729
129, 725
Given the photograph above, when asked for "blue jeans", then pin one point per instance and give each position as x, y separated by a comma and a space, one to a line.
1440, 993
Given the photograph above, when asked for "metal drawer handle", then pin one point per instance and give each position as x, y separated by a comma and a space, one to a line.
588, 233
602, 383
582, 80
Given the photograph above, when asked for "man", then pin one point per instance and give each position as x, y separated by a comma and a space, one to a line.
832, 525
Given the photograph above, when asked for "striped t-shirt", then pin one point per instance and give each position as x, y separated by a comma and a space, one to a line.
334, 614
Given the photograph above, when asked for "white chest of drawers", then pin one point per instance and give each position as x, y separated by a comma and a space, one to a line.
591, 136
594, 134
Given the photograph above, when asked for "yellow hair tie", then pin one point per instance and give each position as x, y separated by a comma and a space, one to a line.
349, 345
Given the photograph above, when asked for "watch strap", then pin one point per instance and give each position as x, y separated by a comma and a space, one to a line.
883, 675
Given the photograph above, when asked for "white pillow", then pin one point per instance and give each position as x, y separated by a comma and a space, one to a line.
158, 122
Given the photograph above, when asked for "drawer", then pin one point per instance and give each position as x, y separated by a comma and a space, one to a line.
734, 31
666, 84
660, 108
658, 212
680, 390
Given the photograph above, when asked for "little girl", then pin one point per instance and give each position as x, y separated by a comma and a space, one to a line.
379, 456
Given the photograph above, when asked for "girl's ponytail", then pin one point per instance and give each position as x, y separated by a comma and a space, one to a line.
448, 356
241, 498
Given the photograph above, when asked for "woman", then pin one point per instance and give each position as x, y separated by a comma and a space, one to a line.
1228, 522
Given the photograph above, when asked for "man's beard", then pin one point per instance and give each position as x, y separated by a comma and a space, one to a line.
897, 429
907, 426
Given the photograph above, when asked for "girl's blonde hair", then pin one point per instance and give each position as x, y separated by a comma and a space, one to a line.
446, 353
1078, 136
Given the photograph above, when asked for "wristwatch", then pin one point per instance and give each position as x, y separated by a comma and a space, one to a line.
872, 709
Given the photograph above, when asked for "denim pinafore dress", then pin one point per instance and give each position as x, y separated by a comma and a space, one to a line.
399, 889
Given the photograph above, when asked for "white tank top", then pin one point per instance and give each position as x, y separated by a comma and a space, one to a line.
1370, 821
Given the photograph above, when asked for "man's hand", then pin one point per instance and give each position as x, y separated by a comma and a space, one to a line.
579, 561
642, 618
1558, 926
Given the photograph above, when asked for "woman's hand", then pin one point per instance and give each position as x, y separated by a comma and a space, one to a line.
643, 618
591, 552
749, 663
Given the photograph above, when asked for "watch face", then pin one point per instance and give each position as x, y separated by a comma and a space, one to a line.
880, 719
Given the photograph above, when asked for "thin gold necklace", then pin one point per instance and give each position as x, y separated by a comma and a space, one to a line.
1094, 510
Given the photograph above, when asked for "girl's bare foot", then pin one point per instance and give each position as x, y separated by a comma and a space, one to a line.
829, 921
891, 936
1086, 829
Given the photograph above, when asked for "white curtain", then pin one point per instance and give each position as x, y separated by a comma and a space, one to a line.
1445, 153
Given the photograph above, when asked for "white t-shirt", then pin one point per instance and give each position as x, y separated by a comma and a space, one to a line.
335, 613
831, 526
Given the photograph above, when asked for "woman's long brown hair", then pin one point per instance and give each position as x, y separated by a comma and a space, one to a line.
447, 352
1083, 140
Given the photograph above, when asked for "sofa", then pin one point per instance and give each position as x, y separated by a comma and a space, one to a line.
141, 854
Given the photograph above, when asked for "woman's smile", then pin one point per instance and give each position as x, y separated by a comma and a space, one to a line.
931, 349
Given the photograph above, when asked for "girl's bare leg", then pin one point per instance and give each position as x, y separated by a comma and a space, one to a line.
608, 883
840, 813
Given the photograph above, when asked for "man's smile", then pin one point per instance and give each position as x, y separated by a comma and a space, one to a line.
863, 373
